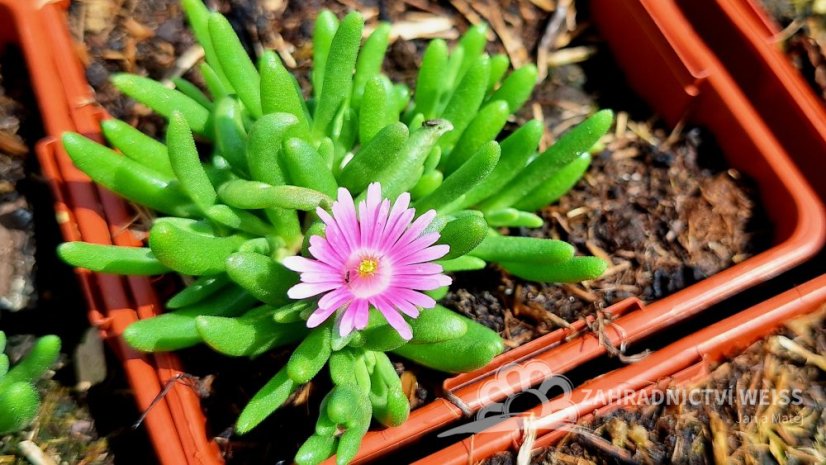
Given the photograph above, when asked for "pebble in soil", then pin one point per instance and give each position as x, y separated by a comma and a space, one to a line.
764, 405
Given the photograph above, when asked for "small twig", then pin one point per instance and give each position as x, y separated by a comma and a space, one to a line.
459, 403
799, 351
184, 63
184, 378
549, 37
788, 31
603, 445
523, 457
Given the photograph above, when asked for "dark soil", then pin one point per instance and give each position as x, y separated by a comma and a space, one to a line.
16, 228
661, 207
738, 427
803, 38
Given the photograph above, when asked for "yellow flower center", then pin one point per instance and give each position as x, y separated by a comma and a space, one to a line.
367, 267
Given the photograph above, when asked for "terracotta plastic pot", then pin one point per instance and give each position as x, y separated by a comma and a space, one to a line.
680, 362
745, 39
671, 70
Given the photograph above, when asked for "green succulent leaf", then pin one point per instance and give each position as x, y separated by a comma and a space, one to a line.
310, 356
19, 404
164, 100
402, 173
177, 330
517, 88
430, 83
474, 350
138, 146
280, 92
369, 61
191, 248
375, 156
198, 15
326, 25
338, 72
476, 169
257, 195
128, 178
265, 401
230, 134
249, 335
572, 271
466, 100
568, 148
498, 66
192, 91
307, 168
483, 129
200, 289
516, 150
235, 63
316, 449
463, 263
183, 155
557, 186
513, 218
261, 276
473, 44
463, 234
111, 258
34, 364
524, 250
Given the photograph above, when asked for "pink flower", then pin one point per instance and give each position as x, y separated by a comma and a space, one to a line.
377, 257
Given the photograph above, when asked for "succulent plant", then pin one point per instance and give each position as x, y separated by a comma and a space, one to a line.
19, 400
330, 221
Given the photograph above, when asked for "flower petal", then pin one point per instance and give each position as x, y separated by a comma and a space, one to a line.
416, 298
323, 251
417, 269
305, 265
304, 290
421, 283
344, 212
393, 317
416, 229
404, 306
426, 255
361, 312
319, 316
400, 251
335, 299
345, 326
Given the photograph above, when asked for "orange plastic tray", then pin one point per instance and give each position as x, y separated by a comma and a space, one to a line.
745, 39
664, 61
678, 363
